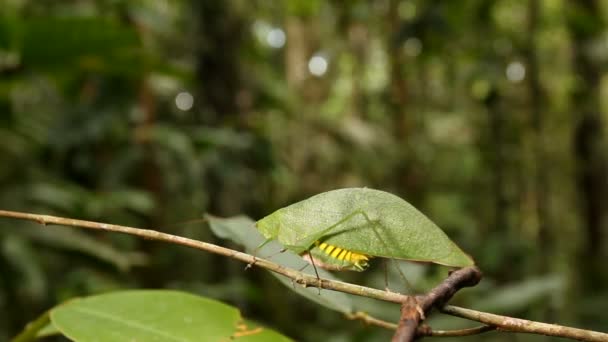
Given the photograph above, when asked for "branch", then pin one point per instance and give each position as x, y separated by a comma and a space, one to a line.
409, 321
511, 324
425, 330
499, 322
422, 330
413, 310
367, 319
298, 277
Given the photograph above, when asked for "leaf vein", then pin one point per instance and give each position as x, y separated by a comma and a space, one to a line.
129, 323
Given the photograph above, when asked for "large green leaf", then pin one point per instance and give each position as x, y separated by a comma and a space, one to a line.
152, 315
241, 229
365, 221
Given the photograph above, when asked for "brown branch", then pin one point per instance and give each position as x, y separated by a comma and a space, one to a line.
413, 310
298, 277
511, 324
423, 329
437, 296
411, 315
442, 293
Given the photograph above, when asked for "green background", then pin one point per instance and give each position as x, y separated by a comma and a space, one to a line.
488, 116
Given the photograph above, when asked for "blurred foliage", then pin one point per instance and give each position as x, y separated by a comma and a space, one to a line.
149, 315
488, 116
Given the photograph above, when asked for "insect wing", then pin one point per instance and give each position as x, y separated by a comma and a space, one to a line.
370, 222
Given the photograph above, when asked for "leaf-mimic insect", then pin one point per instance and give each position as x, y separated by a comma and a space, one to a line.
342, 229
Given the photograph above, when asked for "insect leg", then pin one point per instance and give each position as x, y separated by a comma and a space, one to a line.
255, 252
340, 253
408, 285
312, 239
293, 282
385, 274
312, 261
373, 224
303, 267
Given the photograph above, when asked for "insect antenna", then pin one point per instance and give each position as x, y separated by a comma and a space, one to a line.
409, 288
303, 267
385, 274
293, 281
270, 256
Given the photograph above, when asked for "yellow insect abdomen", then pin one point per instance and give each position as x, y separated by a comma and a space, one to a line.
357, 259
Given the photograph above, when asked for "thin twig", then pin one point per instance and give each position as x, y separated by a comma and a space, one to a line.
298, 277
500, 322
518, 325
425, 330
367, 319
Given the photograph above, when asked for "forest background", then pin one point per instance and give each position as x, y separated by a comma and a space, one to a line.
488, 116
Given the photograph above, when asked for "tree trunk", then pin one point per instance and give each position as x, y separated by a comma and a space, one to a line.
539, 193
585, 26
219, 37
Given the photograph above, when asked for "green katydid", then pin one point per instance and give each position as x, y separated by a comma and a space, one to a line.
342, 229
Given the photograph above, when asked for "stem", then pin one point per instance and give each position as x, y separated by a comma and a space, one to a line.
414, 309
427, 331
32, 328
367, 319
525, 326
299, 277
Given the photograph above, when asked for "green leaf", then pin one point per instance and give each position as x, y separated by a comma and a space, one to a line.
240, 229
365, 221
48, 330
149, 315
253, 332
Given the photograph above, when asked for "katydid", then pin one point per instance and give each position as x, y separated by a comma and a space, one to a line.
344, 228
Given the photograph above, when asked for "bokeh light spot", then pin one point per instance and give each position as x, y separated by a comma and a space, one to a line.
515, 72
184, 101
318, 65
276, 38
